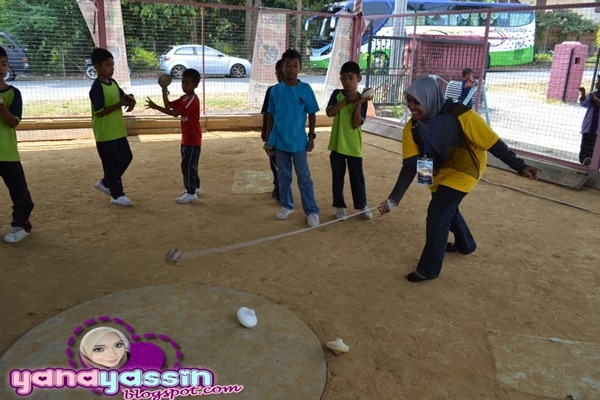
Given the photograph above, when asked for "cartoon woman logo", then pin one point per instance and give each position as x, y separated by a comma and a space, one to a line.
109, 348
104, 348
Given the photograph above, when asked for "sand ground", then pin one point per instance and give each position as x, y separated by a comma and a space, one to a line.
535, 272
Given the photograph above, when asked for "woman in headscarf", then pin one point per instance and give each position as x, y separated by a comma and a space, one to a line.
447, 144
104, 348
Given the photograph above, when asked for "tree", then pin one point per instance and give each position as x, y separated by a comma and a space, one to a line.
560, 25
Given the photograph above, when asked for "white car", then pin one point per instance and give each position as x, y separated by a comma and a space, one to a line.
177, 59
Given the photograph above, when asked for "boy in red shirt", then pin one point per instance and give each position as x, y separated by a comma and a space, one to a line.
188, 107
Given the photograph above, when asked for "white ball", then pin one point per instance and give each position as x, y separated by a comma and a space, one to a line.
368, 93
247, 317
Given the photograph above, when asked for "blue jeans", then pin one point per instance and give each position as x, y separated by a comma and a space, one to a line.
444, 217
305, 183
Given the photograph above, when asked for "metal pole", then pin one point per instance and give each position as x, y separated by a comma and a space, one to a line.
299, 25
564, 96
595, 71
399, 30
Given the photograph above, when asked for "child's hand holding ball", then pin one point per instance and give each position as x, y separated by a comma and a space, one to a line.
129, 101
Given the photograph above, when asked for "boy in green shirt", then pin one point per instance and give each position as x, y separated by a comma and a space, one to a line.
109, 128
349, 111
11, 170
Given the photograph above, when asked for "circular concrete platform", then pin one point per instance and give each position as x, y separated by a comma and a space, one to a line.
281, 358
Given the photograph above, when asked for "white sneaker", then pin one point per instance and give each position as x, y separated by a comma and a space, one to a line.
16, 234
101, 187
187, 198
341, 214
367, 213
283, 213
313, 220
122, 201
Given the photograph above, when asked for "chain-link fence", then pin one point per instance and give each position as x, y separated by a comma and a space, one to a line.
49, 43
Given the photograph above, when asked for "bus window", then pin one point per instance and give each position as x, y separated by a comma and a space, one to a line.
474, 20
503, 19
520, 18
437, 20
464, 19
453, 19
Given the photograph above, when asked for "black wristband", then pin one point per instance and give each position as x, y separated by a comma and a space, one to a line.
312, 135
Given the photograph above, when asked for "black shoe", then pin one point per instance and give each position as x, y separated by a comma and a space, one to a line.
451, 248
415, 277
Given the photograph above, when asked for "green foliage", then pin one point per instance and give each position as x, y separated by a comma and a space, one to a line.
57, 38
563, 25
140, 59
543, 58
34, 24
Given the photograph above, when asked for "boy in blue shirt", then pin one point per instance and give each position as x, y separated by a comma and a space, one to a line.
290, 101
11, 170
349, 111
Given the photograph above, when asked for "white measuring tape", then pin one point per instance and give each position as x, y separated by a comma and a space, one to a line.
174, 255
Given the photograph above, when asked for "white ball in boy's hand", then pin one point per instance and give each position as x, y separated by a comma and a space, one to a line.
368, 93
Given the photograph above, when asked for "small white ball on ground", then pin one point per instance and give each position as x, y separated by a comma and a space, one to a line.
247, 317
173, 255
337, 346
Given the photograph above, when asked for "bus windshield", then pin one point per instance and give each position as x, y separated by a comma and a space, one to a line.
322, 29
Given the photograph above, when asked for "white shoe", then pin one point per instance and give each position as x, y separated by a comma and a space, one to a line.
283, 213
187, 198
366, 213
341, 214
313, 220
16, 234
122, 201
101, 187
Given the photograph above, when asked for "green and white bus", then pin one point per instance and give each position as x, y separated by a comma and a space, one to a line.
511, 36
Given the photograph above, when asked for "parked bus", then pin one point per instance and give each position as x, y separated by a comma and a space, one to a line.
511, 36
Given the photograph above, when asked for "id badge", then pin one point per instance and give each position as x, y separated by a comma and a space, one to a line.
425, 171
